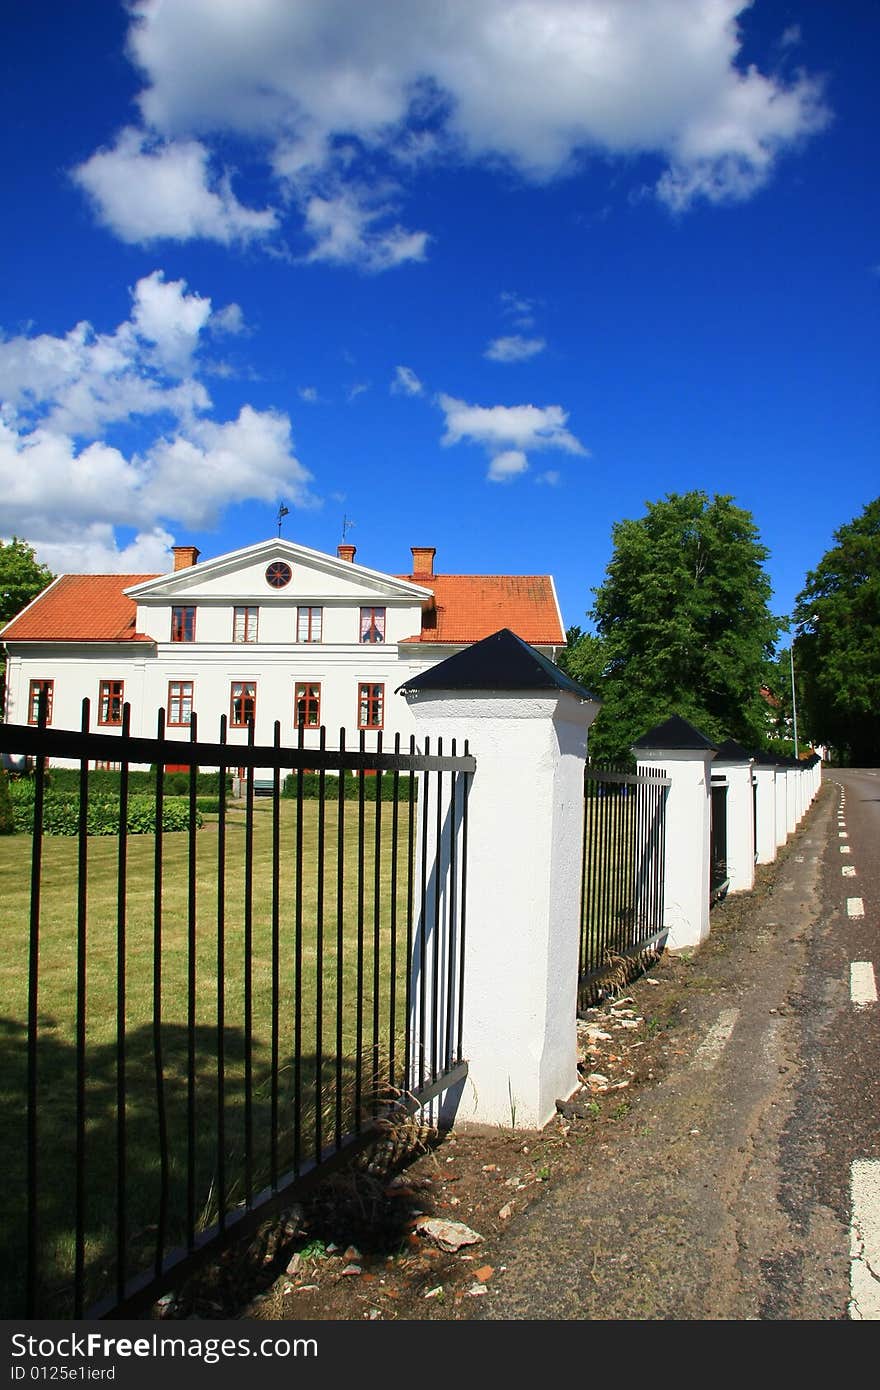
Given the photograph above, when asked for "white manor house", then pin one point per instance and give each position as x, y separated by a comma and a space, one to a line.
275, 631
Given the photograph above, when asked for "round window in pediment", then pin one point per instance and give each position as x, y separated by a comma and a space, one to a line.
278, 574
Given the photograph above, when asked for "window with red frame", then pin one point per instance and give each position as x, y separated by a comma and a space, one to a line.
243, 704
309, 622
36, 690
180, 704
372, 624
183, 624
307, 705
244, 625
110, 702
371, 706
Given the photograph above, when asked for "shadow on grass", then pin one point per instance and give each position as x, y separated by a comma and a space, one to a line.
138, 1224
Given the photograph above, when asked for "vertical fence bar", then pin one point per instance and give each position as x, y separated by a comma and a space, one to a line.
221, 987
249, 978
410, 889
191, 905
32, 1162
121, 923
319, 951
423, 924
466, 787
275, 964
377, 925
437, 933
451, 942
359, 1042
81, 929
392, 910
340, 938
162, 1117
298, 963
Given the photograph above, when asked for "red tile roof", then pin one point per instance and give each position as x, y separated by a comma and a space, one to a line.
469, 607
466, 608
80, 608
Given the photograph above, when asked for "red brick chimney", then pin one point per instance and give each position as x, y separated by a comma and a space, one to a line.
346, 552
423, 561
185, 556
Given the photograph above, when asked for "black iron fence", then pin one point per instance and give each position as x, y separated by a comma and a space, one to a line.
622, 881
199, 1022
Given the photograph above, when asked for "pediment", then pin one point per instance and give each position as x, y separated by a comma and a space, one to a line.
240, 576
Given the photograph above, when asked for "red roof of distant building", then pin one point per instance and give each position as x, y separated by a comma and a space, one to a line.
80, 608
469, 607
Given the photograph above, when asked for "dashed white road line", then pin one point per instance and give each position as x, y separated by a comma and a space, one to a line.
848, 870
862, 983
715, 1041
842, 835
855, 907
844, 849
864, 1241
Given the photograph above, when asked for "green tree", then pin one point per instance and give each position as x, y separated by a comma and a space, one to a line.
21, 577
837, 646
683, 625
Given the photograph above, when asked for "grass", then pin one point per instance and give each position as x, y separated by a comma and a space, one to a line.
307, 1015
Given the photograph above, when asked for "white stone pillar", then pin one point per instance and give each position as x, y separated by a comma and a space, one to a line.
781, 806
688, 826
736, 765
525, 820
765, 812
791, 817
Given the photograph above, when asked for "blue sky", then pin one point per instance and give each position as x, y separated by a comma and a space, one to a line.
486, 276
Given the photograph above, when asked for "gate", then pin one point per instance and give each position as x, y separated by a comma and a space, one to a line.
207, 1005
719, 881
624, 852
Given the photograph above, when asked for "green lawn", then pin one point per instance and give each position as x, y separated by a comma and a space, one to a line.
57, 1029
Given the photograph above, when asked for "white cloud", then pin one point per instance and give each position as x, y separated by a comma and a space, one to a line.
333, 84
59, 476
342, 229
515, 348
144, 189
79, 383
505, 466
551, 477
216, 464
406, 383
309, 394
506, 433
94, 550
356, 389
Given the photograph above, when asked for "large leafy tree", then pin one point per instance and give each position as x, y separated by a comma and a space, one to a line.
837, 648
22, 577
683, 625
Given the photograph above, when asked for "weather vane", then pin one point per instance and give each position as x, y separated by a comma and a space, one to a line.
347, 524
282, 513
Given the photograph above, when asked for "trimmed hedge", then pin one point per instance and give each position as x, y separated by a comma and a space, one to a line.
105, 783
61, 813
381, 785
7, 814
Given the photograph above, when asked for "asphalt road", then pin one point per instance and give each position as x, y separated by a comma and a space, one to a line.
726, 1193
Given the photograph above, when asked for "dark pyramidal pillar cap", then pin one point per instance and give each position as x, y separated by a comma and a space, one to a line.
732, 752
675, 732
502, 661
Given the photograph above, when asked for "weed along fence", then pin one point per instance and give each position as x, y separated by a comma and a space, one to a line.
624, 844
201, 1019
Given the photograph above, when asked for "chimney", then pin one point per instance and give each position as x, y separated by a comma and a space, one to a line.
185, 556
423, 561
346, 552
